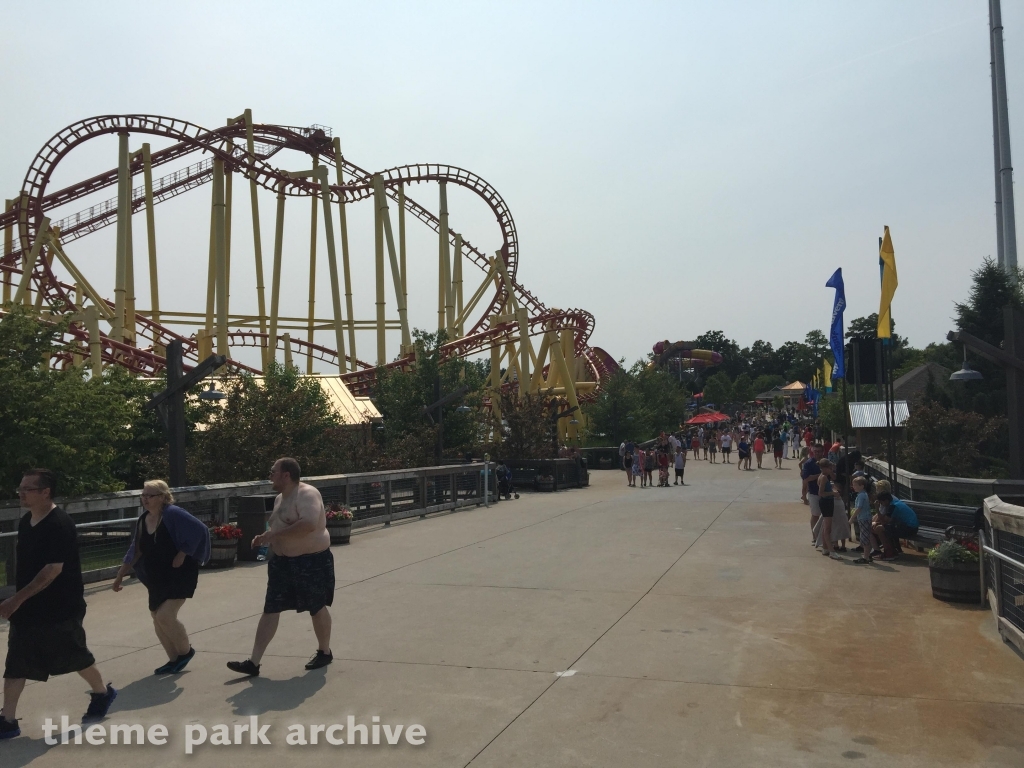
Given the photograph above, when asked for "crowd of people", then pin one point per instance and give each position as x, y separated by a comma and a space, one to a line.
640, 460
877, 519
46, 613
846, 504
750, 437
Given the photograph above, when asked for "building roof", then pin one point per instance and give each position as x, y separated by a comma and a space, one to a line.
914, 382
870, 414
772, 393
352, 410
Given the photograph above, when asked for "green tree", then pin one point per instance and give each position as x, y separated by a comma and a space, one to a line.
526, 427
285, 414
718, 390
982, 314
401, 397
59, 419
743, 389
762, 359
831, 413
615, 411
765, 382
817, 342
733, 361
948, 441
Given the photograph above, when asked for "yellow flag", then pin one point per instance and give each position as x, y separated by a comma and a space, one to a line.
827, 369
887, 267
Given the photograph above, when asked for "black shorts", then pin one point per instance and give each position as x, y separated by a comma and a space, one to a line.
726, 450
901, 531
827, 505
301, 583
679, 471
35, 652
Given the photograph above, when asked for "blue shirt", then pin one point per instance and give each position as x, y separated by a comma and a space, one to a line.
863, 506
901, 513
811, 469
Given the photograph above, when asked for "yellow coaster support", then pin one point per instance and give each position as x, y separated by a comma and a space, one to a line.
332, 262
102, 309
312, 273
228, 176
220, 252
381, 200
124, 197
257, 239
154, 283
8, 250
275, 280
339, 162
30, 261
443, 289
129, 283
401, 241
287, 338
525, 348
378, 253
457, 325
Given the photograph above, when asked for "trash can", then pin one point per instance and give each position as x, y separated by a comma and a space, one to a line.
253, 513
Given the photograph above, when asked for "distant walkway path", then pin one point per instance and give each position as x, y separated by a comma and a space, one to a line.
606, 626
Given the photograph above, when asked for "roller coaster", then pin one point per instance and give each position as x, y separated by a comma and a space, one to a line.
532, 347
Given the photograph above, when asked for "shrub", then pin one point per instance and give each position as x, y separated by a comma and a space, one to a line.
950, 553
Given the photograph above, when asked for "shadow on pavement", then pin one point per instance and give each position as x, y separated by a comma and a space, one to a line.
148, 692
21, 751
263, 695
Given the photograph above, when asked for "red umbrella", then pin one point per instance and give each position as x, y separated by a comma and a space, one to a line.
707, 418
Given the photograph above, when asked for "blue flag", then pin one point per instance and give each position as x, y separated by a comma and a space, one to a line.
835, 338
812, 396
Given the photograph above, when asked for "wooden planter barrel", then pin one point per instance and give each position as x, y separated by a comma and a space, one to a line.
223, 553
340, 532
956, 583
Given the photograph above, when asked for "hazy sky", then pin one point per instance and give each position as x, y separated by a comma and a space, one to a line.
671, 167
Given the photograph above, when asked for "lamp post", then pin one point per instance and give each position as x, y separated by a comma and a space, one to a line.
170, 404
438, 406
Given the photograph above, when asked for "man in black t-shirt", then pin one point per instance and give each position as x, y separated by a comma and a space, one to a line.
46, 635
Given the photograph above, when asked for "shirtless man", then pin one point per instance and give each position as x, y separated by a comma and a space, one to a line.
300, 575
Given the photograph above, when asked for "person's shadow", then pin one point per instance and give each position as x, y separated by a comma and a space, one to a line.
151, 691
263, 695
21, 751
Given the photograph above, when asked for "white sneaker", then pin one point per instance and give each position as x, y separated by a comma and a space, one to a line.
834, 556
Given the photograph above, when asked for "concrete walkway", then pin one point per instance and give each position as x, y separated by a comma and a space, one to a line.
606, 626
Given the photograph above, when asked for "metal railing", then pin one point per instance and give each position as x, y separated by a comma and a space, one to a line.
567, 473
105, 521
956, 490
1002, 567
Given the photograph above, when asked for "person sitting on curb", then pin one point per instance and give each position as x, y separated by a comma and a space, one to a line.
895, 521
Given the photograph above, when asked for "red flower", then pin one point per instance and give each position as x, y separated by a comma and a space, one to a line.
226, 532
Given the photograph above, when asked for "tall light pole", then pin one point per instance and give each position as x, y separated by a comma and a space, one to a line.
1007, 236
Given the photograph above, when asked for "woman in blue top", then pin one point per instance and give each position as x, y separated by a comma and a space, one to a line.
167, 548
